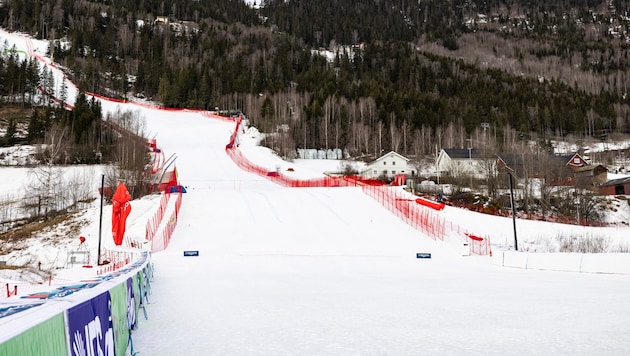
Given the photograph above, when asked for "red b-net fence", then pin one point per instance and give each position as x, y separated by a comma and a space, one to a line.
154, 222
422, 215
115, 260
245, 164
404, 206
16, 289
23, 288
111, 260
160, 239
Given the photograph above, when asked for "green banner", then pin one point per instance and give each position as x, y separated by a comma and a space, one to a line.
46, 338
118, 296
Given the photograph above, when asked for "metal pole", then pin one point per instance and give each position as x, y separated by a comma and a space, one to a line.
513, 211
100, 223
470, 167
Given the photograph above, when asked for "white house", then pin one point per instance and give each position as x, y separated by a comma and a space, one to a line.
456, 162
388, 165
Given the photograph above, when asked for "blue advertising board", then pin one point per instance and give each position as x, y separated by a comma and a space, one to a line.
131, 305
90, 327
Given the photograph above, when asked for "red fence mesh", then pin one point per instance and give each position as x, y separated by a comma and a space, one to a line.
422, 215
154, 223
160, 241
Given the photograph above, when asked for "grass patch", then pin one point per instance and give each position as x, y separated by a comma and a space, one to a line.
25, 231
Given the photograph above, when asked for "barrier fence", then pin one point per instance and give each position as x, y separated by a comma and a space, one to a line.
159, 241
115, 261
154, 222
98, 321
420, 213
425, 218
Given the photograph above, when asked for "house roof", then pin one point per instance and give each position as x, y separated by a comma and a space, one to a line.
511, 159
387, 155
566, 159
556, 160
618, 181
591, 167
461, 153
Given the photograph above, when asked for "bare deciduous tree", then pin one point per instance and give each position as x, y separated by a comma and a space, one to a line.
43, 193
132, 157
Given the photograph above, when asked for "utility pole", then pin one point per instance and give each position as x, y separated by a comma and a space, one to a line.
513, 211
470, 166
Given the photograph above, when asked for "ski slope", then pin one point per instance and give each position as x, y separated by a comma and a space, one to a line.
327, 271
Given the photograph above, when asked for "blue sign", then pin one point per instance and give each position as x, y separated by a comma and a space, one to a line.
191, 253
423, 255
90, 327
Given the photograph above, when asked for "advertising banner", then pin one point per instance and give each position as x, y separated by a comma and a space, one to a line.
118, 295
90, 327
147, 281
132, 306
12, 309
46, 338
136, 292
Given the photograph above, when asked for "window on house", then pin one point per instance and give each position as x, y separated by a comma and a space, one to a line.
385, 172
384, 163
393, 172
375, 172
393, 163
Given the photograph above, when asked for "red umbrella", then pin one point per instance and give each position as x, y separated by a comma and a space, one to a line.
120, 210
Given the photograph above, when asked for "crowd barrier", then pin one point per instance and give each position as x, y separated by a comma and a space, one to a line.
91, 317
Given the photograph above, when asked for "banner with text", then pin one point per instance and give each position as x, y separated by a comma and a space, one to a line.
90, 327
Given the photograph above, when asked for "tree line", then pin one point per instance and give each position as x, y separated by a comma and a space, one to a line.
398, 79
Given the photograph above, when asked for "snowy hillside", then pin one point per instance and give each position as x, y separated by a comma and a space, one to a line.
329, 271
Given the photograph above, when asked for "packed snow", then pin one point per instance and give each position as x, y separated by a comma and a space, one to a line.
328, 271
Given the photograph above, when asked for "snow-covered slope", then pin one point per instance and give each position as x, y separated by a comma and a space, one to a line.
327, 271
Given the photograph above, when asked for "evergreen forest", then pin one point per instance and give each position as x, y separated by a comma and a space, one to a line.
364, 76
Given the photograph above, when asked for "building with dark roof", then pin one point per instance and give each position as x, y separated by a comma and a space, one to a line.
620, 186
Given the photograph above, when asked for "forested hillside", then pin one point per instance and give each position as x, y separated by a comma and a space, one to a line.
412, 76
